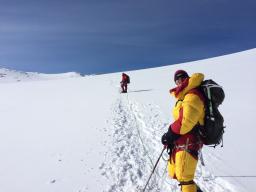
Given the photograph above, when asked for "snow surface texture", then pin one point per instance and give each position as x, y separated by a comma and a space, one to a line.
81, 135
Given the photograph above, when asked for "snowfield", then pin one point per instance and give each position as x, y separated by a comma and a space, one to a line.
62, 134
10, 76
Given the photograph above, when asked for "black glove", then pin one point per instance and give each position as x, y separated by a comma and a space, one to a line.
169, 137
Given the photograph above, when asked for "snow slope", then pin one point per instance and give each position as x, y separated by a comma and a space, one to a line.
10, 76
80, 134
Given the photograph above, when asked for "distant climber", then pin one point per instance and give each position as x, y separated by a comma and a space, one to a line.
125, 81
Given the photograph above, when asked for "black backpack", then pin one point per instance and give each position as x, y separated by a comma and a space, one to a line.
212, 131
128, 79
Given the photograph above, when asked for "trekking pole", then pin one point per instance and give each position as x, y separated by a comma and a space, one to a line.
154, 169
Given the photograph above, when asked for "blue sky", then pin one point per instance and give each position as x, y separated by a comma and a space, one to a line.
102, 36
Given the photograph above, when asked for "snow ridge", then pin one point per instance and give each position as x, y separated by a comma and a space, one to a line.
11, 76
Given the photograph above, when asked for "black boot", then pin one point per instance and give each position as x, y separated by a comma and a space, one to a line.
198, 189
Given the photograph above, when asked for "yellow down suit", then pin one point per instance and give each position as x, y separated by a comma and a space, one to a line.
188, 112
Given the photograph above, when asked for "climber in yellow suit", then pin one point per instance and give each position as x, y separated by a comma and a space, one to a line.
182, 137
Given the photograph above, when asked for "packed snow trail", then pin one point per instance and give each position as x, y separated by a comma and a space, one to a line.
136, 130
131, 157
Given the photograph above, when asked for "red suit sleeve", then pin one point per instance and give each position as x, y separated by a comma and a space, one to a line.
176, 125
